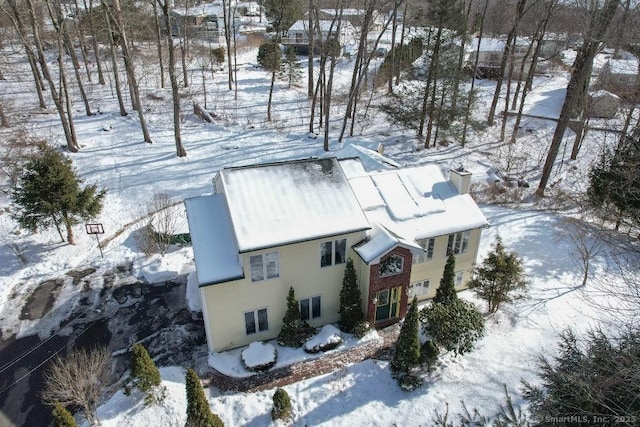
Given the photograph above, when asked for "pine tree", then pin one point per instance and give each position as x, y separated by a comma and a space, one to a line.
446, 293
407, 351
281, 405
294, 331
350, 299
49, 194
198, 411
291, 69
500, 278
62, 417
145, 375
614, 182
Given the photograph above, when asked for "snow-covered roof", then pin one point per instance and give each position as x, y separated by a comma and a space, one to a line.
623, 66
356, 160
287, 202
204, 9
382, 241
324, 24
412, 203
214, 246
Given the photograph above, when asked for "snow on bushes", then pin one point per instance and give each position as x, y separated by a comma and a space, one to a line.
327, 339
259, 356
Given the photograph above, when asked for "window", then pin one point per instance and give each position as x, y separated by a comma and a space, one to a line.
391, 265
459, 276
333, 252
309, 308
427, 255
264, 266
458, 243
256, 321
419, 289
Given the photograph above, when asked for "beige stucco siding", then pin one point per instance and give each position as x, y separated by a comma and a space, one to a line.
433, 269
300, 268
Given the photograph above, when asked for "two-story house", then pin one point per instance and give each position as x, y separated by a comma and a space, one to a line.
297, 36
294, 224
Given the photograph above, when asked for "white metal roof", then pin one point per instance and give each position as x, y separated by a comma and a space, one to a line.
214, 246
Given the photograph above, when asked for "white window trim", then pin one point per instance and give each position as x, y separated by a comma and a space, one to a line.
428, 250
256, 320
460, 240
421, 283
333, 252
393, 273
264, 266
310, 299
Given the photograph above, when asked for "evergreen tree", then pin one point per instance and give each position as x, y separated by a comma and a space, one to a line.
49, 194
294, 331
281, 405
198, 411
350, 299
407, 351
291, 70
270, 57
592, 377
446, 293
62, 417
455, 326
145, 375
500, 278
614, 182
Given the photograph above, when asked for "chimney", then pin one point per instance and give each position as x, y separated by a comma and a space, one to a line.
461, 179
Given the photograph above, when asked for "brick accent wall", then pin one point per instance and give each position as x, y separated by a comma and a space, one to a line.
377, 283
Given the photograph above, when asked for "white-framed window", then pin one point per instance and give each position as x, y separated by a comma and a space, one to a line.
333, 252
458, 243
310, 308
264, 266
391, 265
427, 254
420, 288
256, 321
459, 277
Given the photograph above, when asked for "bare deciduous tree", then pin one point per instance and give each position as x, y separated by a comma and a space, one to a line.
79, 379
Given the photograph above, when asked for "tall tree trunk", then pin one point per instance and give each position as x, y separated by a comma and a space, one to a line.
427, 91
505, 56
61, 27
581, 70
116, 14
72, 143
67, 224
227, 37
392, 52
273, 81
432, 77
402, 35
4, 122
94, 42
114, 64
158, 35
311, 33
467, 112
180, 151
81, 38
18, 23
184, 49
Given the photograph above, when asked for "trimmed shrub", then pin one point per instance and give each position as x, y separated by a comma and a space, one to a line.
294, 331
361, 328
407, 352
281, 405
259, 357
350, 299
145, 376
455, 326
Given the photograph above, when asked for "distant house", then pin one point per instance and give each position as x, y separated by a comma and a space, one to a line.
490, 53
620, 76
204, 21
294, 224
298, 35
603, 104
355, 17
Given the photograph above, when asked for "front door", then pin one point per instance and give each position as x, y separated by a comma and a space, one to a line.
387, 304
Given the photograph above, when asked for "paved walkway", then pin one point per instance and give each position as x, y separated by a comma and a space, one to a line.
375, 349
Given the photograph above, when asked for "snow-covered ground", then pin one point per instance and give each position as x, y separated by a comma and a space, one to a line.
114, 156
